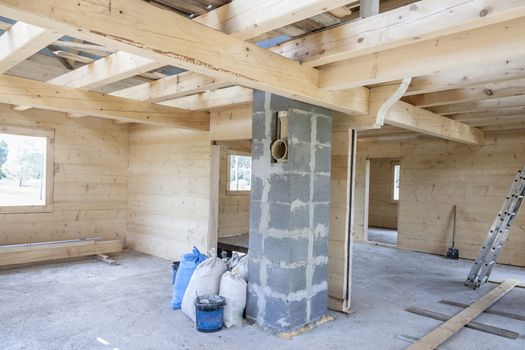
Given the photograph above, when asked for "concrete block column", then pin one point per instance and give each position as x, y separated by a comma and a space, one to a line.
289, 216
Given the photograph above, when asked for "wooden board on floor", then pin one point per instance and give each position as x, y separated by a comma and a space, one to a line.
436, 337
24, 254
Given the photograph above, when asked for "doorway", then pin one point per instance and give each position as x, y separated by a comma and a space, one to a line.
383, 180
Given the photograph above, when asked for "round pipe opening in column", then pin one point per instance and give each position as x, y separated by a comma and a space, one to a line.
280, 150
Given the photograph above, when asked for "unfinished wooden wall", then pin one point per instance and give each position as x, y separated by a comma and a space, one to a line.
382, 210
169, 190
234, 209
338, 218
437, 174
90, 181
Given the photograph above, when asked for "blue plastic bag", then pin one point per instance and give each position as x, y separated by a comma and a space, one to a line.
188, 264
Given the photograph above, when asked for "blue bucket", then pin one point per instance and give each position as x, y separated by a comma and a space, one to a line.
209, 310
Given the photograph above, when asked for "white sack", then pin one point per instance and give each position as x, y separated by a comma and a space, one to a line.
205, 280
241, 269
233, 289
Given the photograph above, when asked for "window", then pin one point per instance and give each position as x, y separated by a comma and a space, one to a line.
239, 173
395, 180
26, 168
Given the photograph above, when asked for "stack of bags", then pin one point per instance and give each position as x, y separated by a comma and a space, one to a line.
199, 275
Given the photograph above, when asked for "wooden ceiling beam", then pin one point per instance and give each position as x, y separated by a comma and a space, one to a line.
423, 20
406, 116
182, 84
476, 106
106, 70
502, 112
22, 41
245, 19
218, 99
475, 75
497, 42
482, 92
136, 27
26, 92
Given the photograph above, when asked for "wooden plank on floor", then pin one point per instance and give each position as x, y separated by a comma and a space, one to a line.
15, 255
488, 311
436, 337
502, 332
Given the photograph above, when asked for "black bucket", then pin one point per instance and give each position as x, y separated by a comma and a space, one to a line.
174, 268
209, 311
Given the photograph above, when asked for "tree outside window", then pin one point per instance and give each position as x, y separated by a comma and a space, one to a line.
240, 173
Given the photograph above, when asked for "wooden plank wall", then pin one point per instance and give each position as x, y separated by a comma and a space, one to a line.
169, 190
90, 181
437, 174
234, 209
382, 210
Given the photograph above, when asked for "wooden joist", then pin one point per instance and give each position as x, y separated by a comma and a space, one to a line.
22, 41
467, 94
136, 27
477, 106
246, 19
242, 19
494, 43
406, 116
25, 254
106, 70
182, 84
20, 91
436, 337
221, 98
475, 75
423, 20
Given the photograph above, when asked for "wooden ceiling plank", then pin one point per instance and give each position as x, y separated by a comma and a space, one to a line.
26, 92
245, 19
420, 21
497, 42
159, 36
22, 41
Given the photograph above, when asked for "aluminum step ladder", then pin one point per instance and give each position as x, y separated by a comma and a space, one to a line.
497, 234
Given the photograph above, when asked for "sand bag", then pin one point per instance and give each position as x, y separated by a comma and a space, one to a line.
234, 260
233, 289
188, 264
205, 280
241, 269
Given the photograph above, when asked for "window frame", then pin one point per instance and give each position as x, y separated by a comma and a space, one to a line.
235, 192
394, 163
49, 134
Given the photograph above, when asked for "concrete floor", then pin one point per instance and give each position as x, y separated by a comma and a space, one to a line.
91, 305
382, 235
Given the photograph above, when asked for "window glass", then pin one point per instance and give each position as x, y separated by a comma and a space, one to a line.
240, 171
395, 190
22, 170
